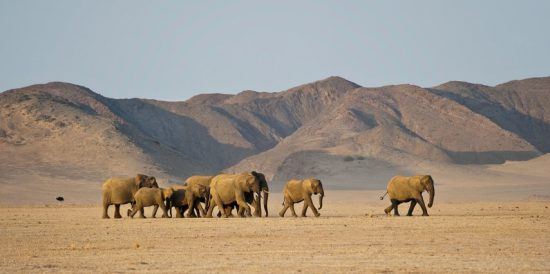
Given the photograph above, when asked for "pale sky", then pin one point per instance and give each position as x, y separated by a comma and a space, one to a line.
173, 50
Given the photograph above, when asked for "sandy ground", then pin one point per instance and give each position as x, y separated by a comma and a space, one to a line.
350, 236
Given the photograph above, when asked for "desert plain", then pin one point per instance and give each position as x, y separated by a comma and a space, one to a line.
352, 235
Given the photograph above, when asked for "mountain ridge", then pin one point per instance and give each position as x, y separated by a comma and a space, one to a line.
333, 118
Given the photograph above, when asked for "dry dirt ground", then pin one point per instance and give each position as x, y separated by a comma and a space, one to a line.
351, 236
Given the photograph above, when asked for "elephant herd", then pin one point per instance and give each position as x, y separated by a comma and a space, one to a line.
240, 192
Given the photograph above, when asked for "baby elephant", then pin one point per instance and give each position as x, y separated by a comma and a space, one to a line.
409, 189
296, 191
145, 197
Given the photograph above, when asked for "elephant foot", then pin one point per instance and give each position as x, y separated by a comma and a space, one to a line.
281, 215
318, 214
106, 217
208, 216
118, 216
387, 211
295, 216
425, 214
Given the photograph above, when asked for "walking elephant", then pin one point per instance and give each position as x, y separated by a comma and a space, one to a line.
202, 180
409, 189
119, 191
228, 188
251, 199
296, 191
145, 197
187, 197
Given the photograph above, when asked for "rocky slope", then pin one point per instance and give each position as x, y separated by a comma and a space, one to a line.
331, 127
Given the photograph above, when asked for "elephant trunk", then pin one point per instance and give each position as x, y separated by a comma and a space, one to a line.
322, 194
266, 195
432, 194
258, 211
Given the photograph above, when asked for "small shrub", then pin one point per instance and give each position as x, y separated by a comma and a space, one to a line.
348, 159
360, 158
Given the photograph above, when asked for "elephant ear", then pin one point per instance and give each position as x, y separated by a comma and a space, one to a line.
254, 173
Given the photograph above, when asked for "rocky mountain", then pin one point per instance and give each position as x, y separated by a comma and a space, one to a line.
325, 128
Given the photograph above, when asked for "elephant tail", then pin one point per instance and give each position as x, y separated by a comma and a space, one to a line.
382, 197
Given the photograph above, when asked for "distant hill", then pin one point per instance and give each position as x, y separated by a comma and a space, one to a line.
324, 128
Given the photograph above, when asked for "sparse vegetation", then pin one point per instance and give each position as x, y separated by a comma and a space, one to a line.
348, 158
360, 158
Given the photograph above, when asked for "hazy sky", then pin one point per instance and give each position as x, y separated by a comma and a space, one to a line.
174, 49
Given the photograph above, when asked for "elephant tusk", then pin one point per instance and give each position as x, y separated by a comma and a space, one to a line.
265, 191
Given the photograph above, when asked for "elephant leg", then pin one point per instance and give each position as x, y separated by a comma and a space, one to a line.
218, 202
243, 206
210, 209
178, 212
395, 205
423, 206
134, 210
312, 206
105, 210
257, 208
304, 209
164, 210
117, 212
141, 212
389, 209
200, 210
285, 207
292, 210
411, 209
155, 208
229, 210
191, 210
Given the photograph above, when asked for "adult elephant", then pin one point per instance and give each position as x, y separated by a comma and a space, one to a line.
296, 191
186, 197
251, 198
403, 189
119, 191
228, 188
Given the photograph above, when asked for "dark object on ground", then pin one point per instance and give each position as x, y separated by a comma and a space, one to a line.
60, 199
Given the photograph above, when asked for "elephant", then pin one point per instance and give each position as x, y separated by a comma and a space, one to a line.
157, 197
186, 197
119, 191
403, 189
203, 180
250, 199
228, 188
296, 191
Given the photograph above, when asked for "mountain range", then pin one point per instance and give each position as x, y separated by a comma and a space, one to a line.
60, 133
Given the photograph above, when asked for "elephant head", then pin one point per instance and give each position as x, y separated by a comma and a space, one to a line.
146, 181
428, 183
317, 188
264, 188
252, 184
